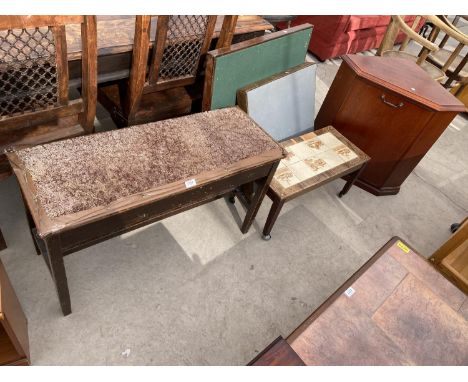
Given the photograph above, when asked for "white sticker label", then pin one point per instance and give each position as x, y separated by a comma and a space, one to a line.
190, 183
349, 292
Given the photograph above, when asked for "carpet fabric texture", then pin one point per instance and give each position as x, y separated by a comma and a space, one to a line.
77, 174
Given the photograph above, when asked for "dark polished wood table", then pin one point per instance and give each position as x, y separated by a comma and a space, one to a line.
115, 43
397, 309
85, 190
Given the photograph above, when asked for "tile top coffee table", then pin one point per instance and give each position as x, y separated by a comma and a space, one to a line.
85, 190
313, 159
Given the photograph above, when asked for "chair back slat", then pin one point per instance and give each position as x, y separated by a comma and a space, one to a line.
61, 63
181, 41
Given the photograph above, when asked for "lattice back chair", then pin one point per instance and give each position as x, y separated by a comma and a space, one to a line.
180, 44
451, 60
34, 97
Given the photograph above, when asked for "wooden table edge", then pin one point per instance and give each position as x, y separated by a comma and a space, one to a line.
74, 55
351, 280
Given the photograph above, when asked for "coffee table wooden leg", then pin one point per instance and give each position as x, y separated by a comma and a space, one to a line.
57, 270
351, 181
2, 242
262, 187
272, 216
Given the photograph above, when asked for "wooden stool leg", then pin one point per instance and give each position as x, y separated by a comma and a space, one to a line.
271, 219
2, 242
257, 199
351, 181
57, 270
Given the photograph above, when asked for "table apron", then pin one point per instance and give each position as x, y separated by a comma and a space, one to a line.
85, 235
111, 67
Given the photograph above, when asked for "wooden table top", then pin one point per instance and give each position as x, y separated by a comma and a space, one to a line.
75, 181
404, 77
396, 310
314, 159
115, 33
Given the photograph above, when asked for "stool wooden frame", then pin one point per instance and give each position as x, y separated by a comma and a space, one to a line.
280, 195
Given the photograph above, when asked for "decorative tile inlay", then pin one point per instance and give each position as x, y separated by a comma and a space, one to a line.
330, 140
345, 152
316, 163
315, 144
290, 158
302, 150
302, 171
312, 157
286, 177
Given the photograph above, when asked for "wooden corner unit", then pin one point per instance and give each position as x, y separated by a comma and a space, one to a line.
392, 110
14, 343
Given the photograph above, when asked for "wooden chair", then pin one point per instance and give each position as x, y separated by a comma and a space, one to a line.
451, 61
35, 106
428, 46
159, 75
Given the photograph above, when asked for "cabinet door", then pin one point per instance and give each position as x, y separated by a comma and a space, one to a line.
382, 124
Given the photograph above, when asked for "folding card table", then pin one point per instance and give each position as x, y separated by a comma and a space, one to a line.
85, 190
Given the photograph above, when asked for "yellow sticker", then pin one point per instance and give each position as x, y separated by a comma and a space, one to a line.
403, 247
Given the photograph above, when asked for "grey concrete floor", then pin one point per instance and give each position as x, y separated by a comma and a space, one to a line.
192, 290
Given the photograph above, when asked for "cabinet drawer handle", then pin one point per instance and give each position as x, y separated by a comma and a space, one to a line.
382, 97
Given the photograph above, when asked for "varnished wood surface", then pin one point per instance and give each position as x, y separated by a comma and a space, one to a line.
116, 33
374, 110
14, 340
401, 312
406, 78
278, 353
37, 21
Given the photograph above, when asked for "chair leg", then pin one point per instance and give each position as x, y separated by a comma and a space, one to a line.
2, 242
271, 219
57, 270
351, 181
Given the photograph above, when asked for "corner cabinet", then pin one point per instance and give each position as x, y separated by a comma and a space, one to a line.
392, 110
